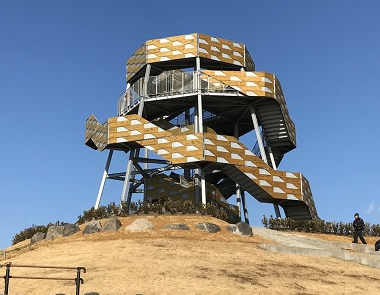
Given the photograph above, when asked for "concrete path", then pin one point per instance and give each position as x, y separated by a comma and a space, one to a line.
304, 245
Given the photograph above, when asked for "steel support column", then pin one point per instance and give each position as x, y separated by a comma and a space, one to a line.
274, 166
238, 189
127, 176
133, 153
105, 175
258, 135
187, 122
200, 173
244, 207
203, 186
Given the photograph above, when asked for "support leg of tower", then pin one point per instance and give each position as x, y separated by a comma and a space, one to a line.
244, 207
105, 175
277, 210
238, 199
238, 190
203, 186
258, 135
127, 176
276, 207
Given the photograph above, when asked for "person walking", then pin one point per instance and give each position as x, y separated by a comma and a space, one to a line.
358, 226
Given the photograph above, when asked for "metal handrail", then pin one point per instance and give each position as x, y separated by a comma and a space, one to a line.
4, 253
182, 121
78, 280
171, 83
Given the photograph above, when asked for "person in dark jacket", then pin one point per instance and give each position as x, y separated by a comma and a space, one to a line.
358, 226
377, 246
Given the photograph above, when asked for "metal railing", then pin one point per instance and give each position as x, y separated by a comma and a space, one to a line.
183, 121
171, 83
4, 254
78, 280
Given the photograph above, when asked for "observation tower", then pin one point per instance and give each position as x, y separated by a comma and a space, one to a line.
188, 100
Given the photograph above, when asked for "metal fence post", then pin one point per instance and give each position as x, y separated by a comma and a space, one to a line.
6, 278
79, 280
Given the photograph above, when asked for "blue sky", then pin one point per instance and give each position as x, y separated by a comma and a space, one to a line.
60, 61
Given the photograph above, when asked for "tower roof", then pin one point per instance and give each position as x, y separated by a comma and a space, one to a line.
180, 52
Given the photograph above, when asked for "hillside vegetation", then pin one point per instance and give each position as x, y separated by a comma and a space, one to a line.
163, 261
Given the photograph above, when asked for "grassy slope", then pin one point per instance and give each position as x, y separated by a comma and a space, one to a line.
185, 262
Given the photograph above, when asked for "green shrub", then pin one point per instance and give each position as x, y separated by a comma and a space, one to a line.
161, 206
187, 207
374, 230
29, 232
317, 226
170, 206
264, 221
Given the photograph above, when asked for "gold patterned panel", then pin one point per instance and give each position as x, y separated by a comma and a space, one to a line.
175, 146
178, 149
278, 184
171, 48
181, 145
189, 46
229, 150
136, 62
183, 148
249, 83
96, 133
221, 50
162, 186
133, 128
256, 84
308, 197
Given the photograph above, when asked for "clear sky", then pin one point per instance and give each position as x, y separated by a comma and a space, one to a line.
60, 61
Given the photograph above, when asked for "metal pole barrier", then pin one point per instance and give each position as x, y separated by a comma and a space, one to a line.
79, 280
6, 278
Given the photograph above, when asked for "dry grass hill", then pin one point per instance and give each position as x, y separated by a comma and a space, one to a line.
163, 262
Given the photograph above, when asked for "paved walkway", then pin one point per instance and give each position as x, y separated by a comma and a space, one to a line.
304, 245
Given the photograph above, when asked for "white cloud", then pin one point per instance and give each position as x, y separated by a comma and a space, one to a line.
371, 207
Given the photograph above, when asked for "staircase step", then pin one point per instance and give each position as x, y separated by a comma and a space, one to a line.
304, 245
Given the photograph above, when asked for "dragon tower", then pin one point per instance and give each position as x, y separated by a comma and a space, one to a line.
188, 100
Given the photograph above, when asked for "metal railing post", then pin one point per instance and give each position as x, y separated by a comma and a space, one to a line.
79, 280
6, 278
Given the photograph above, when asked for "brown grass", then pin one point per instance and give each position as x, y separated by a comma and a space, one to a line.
185, 262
